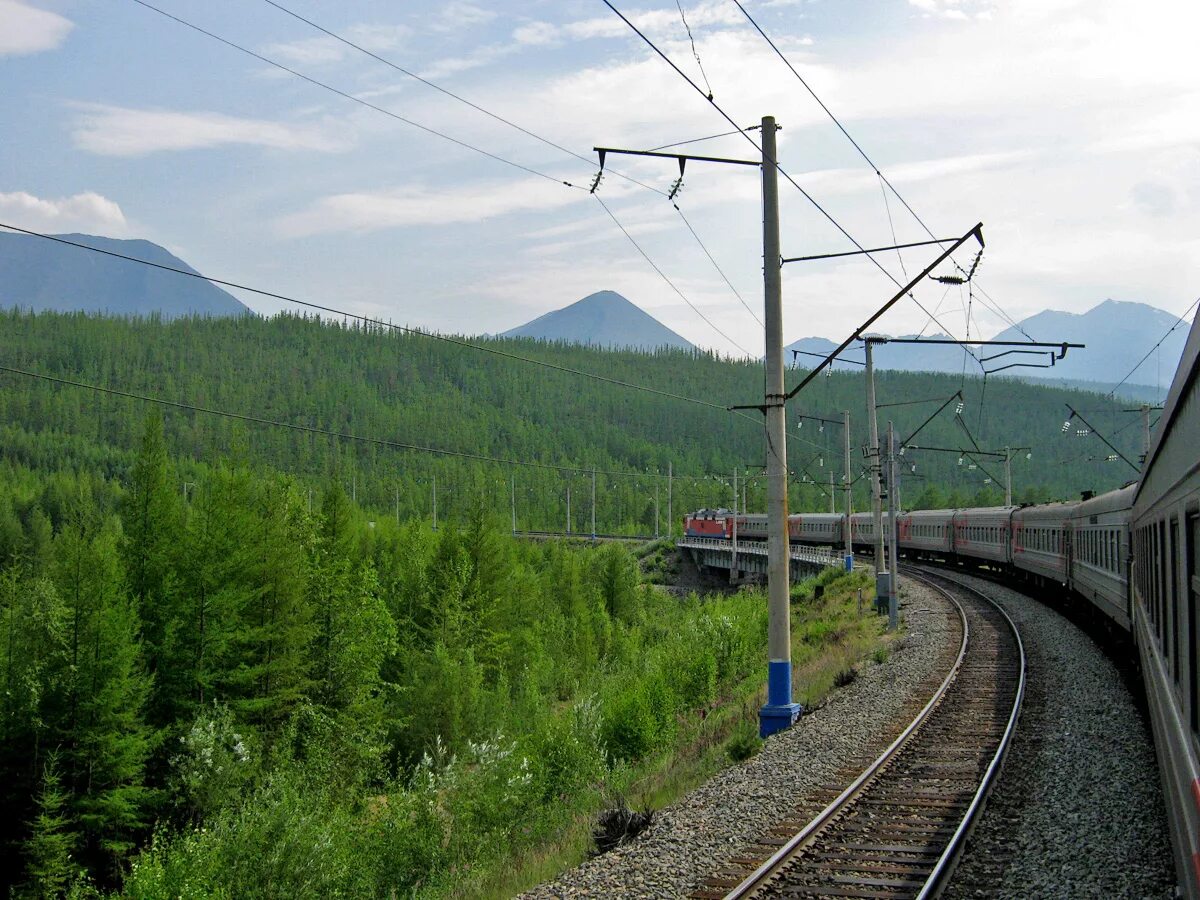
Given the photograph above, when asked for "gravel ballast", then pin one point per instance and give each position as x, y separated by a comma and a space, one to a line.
697, 835
1078, 811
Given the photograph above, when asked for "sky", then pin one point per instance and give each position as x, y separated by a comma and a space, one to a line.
1070, 128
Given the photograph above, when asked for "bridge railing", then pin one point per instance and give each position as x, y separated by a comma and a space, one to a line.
816, 555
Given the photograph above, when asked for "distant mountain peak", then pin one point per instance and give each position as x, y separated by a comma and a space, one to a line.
41, 275
603, 319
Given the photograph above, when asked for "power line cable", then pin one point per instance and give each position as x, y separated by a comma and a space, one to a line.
372, 321
312, 429
449, 93
710, 137
425, 128
669, 282
1178, 322
883, 178
351, 97
695, 52
716, 266
807, 196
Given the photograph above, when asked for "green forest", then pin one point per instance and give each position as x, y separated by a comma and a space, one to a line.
383, 384
241, 659
268, 701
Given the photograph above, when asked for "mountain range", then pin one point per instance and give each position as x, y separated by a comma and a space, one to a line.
1117, 335
39, 275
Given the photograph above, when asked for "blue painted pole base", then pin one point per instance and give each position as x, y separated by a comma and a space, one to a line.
849, 562
778, 718
780, 712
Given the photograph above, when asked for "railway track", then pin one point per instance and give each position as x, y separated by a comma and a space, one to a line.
897, 830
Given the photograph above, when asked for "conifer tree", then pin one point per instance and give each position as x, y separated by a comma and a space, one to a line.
151, 520
104, 690
51, 839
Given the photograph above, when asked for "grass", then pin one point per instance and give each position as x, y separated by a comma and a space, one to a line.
829, 639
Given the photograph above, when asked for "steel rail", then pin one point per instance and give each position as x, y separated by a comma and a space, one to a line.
788, 850
939, 877
944, 867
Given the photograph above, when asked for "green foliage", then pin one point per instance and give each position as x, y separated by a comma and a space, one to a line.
51, 840
744, 742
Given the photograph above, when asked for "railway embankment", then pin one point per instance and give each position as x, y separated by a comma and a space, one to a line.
729, 816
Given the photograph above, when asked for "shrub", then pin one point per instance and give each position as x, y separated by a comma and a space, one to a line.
744, 742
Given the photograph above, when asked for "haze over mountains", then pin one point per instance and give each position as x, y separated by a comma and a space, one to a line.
1117, 334
42, 275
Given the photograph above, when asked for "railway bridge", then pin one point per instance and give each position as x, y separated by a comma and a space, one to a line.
750, 557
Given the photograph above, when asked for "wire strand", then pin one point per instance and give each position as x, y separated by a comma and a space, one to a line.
883, 178
449, 93
1178, 322
716, 266
351, 97
669, 282
807, 196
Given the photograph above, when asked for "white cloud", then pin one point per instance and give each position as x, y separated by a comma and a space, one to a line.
88, 211
26, 29
327, 50
119, 131
458, 15
365, 211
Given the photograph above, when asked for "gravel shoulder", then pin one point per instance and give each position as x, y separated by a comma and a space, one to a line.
696, 836
1078, 810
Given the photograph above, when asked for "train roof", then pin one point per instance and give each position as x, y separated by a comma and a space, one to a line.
1112, 501
1183, 388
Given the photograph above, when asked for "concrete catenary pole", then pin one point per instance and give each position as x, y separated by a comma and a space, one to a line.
1145, 432
593, 504
832, 494
568, 507
1008, 476
876, 472
893, 530
514, 502
434, 489
780, 712
733, 570
670, 497
656, 508
849, 488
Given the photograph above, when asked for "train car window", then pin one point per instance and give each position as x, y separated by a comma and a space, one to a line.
1160, 552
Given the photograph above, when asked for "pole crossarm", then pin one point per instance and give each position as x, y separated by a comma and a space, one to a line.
681, 157
962, 452
822, 419
795, 353
792, 259
976, 232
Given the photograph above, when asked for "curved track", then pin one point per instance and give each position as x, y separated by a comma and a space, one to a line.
898, 829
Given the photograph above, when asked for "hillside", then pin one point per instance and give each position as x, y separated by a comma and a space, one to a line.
602, 319
42, 275
414, 389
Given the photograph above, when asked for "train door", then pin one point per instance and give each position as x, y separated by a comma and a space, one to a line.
1173, 595
1192, 572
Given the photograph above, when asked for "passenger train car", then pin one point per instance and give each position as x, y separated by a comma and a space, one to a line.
1131, 555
